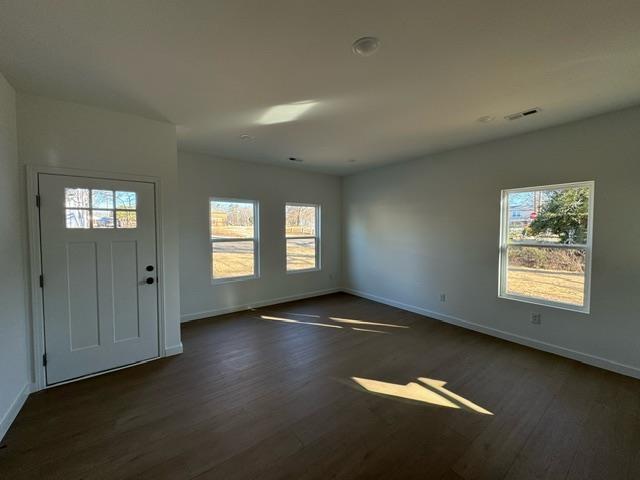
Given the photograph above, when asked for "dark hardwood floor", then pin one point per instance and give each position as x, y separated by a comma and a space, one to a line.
259, 398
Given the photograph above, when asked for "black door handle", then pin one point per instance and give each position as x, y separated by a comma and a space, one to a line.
149, 268
149, 280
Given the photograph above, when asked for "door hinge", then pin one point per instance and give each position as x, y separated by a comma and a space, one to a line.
38, 201
41, 281
44, 360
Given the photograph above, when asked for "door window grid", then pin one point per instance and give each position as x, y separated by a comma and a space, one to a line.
87, 208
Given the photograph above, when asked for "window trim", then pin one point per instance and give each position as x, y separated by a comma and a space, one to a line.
503, 244
255, 239
316, 237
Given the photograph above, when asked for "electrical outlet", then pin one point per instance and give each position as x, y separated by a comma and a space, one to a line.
536, 318
443, 297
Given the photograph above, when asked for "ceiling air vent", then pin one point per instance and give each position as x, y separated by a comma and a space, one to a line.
526, 113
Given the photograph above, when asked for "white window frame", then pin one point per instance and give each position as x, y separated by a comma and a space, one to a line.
255, 239
317, 237
588, 247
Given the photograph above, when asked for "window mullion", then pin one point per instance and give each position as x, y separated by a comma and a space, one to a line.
233, 239
548, 245
300, 238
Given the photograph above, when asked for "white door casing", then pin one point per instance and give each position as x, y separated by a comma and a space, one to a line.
99, 311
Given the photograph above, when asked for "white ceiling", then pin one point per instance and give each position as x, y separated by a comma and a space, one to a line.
214, 68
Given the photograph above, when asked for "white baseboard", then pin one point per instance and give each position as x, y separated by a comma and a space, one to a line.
11, 414
173, 350
261, 303
512, 337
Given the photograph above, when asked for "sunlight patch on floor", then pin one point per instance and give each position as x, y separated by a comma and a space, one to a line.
362, 322
302, 314
368, 330
439, 385
432, 392
348, 321
290, 320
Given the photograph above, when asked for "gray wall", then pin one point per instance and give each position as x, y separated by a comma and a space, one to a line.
202, 177
431, 226
15, 379
63, 134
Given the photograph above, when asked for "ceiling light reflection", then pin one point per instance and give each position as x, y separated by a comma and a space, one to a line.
286, 113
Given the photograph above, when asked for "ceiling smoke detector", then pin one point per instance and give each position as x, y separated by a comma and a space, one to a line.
486, 119
245, 137
366, 46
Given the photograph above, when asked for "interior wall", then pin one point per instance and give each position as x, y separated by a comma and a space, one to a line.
63, 134
415, 230
202, 177
15, 379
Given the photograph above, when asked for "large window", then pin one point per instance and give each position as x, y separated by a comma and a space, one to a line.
545, 248
234, 239
302, 231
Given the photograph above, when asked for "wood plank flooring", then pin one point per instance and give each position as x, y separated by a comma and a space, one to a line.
269, 394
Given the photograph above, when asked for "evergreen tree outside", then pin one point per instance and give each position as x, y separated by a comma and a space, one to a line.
565, 214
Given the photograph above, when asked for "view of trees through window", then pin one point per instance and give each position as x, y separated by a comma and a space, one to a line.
300, 220
301, 236
233, 238
546, 244
93, 208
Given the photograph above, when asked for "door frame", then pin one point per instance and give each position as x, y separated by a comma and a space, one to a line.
35, 263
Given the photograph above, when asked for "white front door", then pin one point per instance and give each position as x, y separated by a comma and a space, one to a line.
99, 266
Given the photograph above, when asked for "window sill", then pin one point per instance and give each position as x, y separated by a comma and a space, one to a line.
222, 281
544, 303
306, 270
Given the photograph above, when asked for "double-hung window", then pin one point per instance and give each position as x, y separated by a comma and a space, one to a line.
234, 239
302, 232
545, 245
